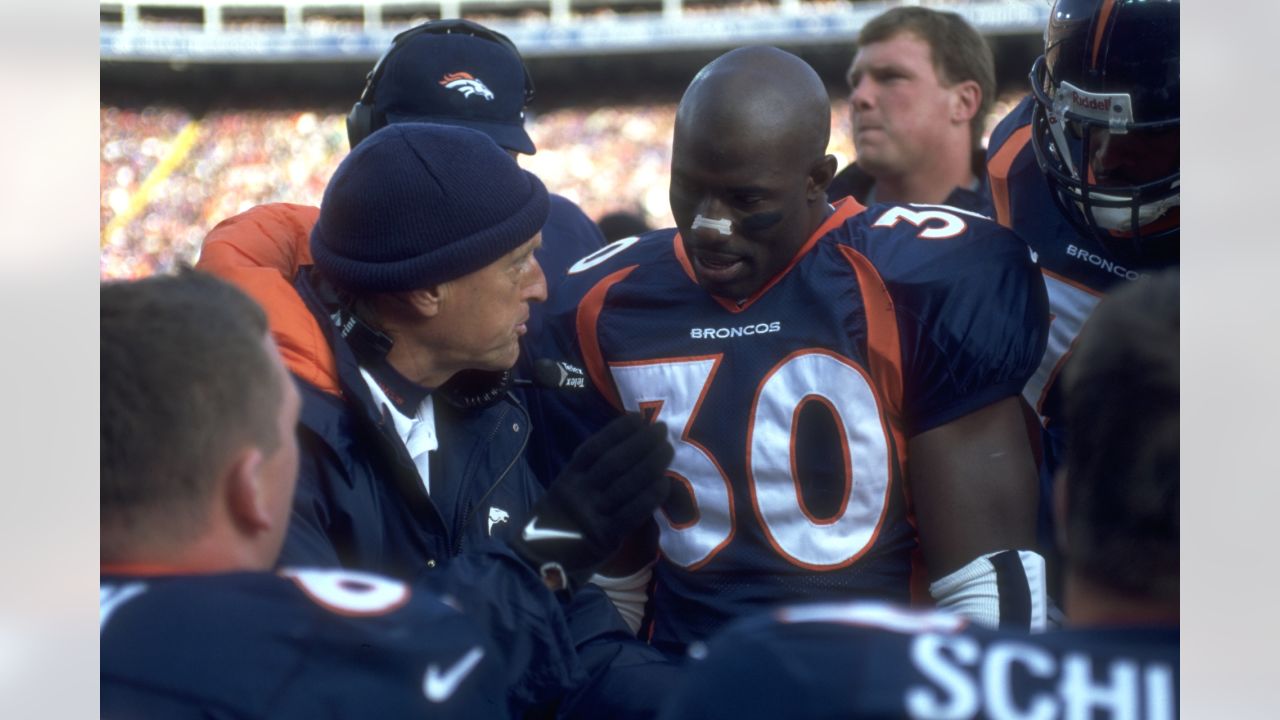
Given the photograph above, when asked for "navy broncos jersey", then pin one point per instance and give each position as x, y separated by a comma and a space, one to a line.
789, 411
872, 660
1078, 271
301, 645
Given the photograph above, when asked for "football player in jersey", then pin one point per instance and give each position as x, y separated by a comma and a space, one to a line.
1086, 170
838, 381
199, 462
1118, 505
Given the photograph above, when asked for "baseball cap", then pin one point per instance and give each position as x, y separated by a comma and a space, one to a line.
457, 79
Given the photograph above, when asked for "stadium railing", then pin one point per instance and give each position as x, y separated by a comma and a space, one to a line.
322, 30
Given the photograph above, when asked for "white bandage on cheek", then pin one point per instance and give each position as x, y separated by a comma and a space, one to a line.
724, 227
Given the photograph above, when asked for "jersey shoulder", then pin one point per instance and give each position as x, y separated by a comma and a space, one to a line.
826, 660
567, 236
968, 300
653, 251
920, 244
1009, 131
871, 659
300, 644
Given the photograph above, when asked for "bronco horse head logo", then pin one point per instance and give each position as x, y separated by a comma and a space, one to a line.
497, 515
467, 84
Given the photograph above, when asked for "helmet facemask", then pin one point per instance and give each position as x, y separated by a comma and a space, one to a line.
1105, 122
1114, 178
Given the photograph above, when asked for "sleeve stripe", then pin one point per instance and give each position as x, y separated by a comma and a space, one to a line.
998, 173
589, 336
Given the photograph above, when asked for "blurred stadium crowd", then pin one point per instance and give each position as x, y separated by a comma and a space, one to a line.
168, 177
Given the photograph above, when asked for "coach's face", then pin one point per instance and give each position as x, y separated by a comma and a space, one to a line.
742, 208
483, 314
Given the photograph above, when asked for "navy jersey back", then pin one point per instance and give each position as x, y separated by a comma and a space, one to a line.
301, 645
789, 411
872, 660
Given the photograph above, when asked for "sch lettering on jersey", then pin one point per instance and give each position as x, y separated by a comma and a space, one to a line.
1103, 263
733, 332
965, 680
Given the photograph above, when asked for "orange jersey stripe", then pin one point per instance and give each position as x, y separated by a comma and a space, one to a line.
884, 349
998, 171
589, 310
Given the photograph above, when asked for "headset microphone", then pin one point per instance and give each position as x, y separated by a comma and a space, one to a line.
553, 375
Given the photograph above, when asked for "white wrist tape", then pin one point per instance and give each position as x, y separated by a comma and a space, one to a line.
999, 589
629, 594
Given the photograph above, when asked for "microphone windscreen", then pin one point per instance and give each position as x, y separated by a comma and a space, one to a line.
558, 375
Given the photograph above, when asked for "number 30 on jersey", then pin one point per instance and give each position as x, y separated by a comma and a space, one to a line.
677, 387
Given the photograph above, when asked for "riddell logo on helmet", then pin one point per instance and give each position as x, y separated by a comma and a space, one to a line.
1090, 103
467, 84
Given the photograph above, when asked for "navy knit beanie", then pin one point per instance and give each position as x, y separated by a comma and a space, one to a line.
416, 204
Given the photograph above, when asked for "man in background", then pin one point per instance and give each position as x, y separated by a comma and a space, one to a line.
1118, 509
920, 88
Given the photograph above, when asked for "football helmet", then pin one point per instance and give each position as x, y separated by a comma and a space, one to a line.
1105, 121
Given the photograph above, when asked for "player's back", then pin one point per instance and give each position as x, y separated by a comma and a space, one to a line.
300, 645
874, 660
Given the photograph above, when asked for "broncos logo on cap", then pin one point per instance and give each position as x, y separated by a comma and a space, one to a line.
467, 84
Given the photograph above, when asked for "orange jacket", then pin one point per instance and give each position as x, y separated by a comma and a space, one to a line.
260, 251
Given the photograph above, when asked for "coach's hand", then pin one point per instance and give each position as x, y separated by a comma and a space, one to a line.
611, 486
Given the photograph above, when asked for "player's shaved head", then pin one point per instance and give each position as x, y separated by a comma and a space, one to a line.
749, 169
760, 98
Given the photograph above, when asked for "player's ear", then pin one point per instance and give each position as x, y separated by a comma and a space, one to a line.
966, 97
247, 498
820, 176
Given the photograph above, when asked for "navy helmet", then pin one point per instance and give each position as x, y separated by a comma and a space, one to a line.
1105, 122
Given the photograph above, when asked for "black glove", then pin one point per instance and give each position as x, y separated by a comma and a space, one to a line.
611, 486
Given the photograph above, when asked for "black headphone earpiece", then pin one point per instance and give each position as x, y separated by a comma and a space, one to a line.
362, 119
359, 123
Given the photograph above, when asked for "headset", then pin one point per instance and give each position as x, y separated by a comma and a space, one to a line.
361, 120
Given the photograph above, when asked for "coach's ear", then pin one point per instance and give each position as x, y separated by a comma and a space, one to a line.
427, 301
248, 501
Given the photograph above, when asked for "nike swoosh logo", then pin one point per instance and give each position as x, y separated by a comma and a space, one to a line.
533, 532
438, 686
